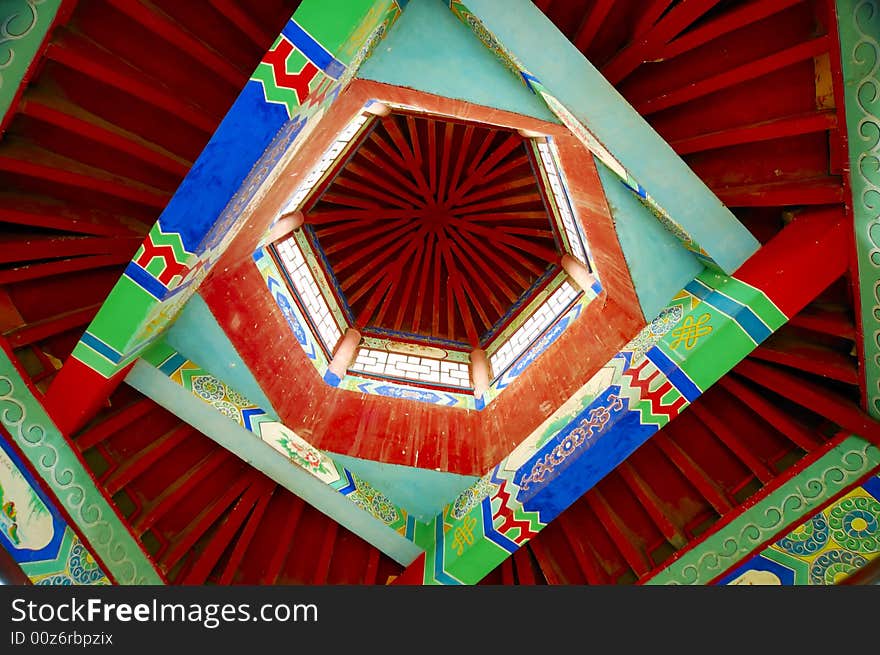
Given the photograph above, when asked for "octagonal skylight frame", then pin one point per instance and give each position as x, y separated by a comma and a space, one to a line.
429, 370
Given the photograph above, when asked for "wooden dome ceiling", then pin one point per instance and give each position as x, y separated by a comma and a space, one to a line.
435, 227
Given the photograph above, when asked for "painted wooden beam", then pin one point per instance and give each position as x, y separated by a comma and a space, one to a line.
709, 327
592, 109
62, 470
779, 510
249, 433
214, 200
859, 26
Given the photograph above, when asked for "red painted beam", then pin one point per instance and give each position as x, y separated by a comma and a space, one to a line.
245, 22
162, 25
284, 539
166, 501
81, 55
247, 534
49, 327
708, 488
77, 393
734, 76
651, 503
139, 463
591, 24
69, 117
62, 267
728, 22
775, 128
779, 419
223, 537
816, 191
34, 162
216, 507
733, 442
814, 397
821, 235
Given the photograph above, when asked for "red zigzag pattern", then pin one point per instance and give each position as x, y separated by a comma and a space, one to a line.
654, 397
525, 531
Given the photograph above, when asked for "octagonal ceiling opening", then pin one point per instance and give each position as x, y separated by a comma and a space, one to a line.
431, 254
259, 310
435, 229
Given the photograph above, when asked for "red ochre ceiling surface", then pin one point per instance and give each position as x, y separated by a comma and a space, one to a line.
403, 431
434, 227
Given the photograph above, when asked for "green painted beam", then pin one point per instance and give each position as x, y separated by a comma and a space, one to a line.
859, 25
777, 512
65, 475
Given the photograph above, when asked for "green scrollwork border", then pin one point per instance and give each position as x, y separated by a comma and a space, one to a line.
797, 499
23, 25
859, 26
61, 470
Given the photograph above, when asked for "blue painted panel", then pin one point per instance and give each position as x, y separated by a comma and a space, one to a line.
50, 550
758, 563
430, 50
592, 461
238, 142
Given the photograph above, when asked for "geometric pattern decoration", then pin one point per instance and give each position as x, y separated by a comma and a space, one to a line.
859, 25
823, 550
59, 467
35, 534
73, 566
795, 503
649, 382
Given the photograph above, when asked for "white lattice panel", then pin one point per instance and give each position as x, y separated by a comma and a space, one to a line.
307, 289
411, 367
530, 331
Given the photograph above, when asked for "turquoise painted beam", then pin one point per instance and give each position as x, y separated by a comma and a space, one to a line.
252, 446
659, 264
577, 92
429, 50
859, 26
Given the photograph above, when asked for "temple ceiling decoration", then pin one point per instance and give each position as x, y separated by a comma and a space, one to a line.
611, 443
